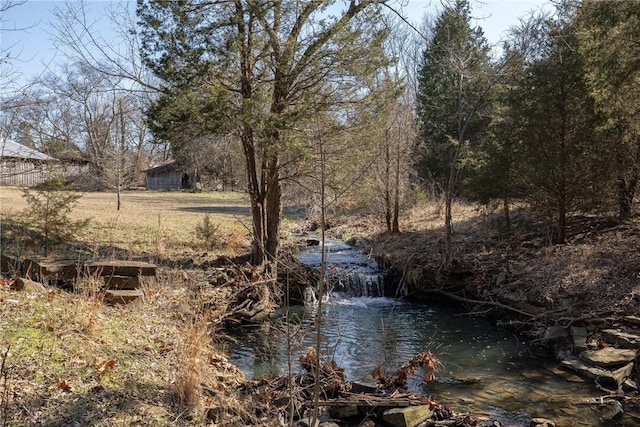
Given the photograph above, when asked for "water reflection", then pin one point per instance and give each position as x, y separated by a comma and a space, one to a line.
362, 333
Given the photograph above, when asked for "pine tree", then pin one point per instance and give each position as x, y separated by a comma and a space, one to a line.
557, 118
609, 36
453, 98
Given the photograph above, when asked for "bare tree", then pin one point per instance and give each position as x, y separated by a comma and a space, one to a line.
117, 58
394, 162
11, 84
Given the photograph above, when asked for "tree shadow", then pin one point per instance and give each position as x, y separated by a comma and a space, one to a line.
219, 210
133, 403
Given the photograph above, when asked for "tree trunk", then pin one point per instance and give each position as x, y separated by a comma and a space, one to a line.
257, 199
448, 250
272, 212
257, 244
386, 180
507, 214
562, 220
626, 193
395, 228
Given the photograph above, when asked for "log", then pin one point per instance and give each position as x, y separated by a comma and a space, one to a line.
371, 401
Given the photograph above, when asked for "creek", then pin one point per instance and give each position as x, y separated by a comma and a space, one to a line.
484, 368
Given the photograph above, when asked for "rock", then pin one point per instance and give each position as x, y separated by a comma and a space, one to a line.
579, 336
616, 377
616, 410
621, 339
630, 385
346, 411
516, 300
567, 375
309, 295
407, 417
329, 424
555, 333
633, 320
306, 422
542, 422
608, 357
362, 388
122, 282
114, 296
612, 410
29, 286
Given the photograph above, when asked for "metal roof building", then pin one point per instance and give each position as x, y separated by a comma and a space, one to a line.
23, 166
12, 149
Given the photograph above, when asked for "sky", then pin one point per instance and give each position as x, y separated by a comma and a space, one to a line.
34, 52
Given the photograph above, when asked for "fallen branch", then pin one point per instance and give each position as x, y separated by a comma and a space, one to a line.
473, 301
598, 318
370, 401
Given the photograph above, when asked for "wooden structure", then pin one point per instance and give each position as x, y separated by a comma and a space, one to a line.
121, 278
25, 167
168, 175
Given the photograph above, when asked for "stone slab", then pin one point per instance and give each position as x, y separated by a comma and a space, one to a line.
633, 320
579, 335
608, 357
407, 417
115, 296
45, 269
120, 268
616, 377
122, 282
620, 338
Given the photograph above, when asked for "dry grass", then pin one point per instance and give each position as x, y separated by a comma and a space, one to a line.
152, 225
74, 360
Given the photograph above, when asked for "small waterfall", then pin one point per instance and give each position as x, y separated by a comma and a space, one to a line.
350, 272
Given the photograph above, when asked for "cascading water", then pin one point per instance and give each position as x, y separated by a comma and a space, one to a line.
362, 329
350, 273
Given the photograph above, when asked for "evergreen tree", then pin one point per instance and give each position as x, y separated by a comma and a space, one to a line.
555, 110
609, 35
453, 98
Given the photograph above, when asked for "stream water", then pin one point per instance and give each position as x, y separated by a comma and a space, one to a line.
484, 369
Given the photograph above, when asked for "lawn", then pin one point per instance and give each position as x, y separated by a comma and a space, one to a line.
158, 225
68, 358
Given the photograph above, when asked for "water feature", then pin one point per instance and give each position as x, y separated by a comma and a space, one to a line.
363, 332
349, 271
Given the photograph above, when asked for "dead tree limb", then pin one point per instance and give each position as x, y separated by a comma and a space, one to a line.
474, 301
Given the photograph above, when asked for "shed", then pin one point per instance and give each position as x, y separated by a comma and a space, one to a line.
23, 166
168, 175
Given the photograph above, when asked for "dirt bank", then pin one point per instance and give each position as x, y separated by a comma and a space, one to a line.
592, 279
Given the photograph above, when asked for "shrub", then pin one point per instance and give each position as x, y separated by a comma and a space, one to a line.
208, 233
48, 211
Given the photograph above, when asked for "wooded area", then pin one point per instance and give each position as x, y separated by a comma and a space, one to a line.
264, 95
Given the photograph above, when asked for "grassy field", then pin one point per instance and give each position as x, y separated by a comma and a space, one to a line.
67, 358
149, 224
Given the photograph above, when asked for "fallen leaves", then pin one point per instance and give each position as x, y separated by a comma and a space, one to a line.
399, 378
105, 366
64, 386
